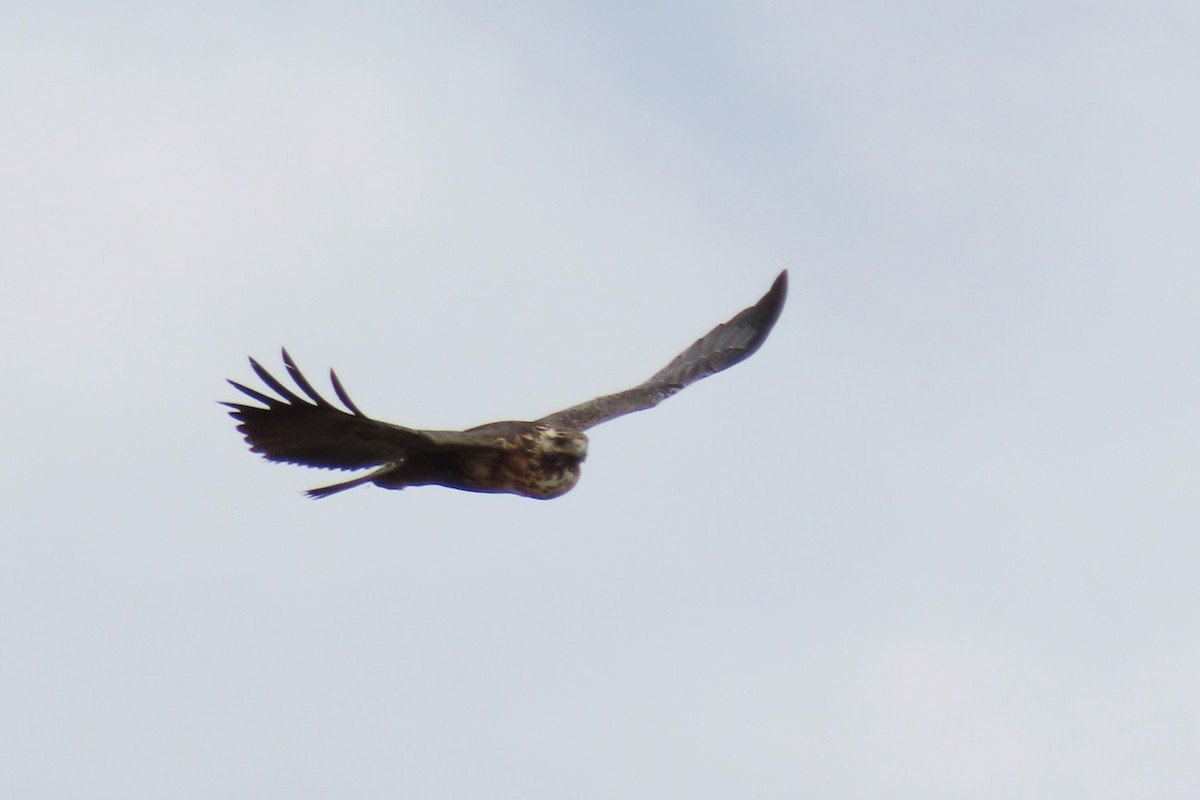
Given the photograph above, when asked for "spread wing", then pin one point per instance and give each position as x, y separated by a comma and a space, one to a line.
314, 432
720, 348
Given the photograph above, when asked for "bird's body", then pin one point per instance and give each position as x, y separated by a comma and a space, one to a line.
522, 458
539, 459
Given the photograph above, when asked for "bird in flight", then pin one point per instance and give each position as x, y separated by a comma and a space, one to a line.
539, 459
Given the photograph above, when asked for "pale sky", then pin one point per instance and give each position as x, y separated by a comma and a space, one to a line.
937, 539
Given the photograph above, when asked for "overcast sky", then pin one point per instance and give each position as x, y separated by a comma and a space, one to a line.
937, 539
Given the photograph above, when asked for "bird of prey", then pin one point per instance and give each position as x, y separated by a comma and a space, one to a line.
538, 459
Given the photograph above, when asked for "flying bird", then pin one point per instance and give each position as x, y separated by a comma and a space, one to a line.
539, 459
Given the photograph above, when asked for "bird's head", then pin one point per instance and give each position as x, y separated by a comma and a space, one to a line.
563, 442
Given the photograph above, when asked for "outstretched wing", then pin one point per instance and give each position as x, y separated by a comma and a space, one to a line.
720, 348
316, 433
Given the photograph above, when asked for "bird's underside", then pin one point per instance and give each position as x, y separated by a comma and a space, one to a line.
539, 459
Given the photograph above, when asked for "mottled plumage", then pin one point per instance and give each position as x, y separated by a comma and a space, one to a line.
538, 459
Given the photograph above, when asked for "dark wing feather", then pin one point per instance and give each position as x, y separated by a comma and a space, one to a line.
721, 348
316, 433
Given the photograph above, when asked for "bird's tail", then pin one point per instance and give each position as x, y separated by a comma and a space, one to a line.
325, 491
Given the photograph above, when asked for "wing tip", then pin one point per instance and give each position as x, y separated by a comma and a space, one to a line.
772, 302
